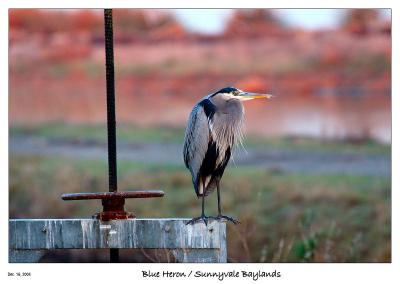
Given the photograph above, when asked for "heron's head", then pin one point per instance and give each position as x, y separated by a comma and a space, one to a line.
233, 93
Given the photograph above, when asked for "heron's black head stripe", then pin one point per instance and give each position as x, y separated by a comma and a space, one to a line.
226, 90
209, 108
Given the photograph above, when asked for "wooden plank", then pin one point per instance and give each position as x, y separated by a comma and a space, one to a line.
25, 256
38, 234
199, 255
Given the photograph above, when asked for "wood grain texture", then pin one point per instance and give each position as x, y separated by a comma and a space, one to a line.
190, 243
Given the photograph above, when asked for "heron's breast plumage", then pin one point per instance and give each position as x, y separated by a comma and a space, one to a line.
227, 130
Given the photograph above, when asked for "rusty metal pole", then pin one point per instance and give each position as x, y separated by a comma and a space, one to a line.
111, 125
112, 201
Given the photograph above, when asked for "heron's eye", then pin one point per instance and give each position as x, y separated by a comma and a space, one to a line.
235, 93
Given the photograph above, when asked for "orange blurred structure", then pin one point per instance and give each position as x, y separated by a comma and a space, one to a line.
329, 83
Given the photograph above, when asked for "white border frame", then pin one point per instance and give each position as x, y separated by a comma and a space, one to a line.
131, 273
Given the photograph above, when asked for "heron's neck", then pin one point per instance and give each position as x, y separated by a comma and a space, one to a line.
228, 122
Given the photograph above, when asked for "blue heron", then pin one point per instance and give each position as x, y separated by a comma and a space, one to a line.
214, 129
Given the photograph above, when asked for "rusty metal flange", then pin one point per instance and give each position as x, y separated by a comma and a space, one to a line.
113, 202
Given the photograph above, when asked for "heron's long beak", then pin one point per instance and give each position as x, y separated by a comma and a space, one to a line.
245, 96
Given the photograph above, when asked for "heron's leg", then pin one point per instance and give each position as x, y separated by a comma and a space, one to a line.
219, 200
202, 216
220, 216
202, 206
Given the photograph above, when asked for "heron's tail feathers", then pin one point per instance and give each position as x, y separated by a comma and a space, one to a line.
205, 185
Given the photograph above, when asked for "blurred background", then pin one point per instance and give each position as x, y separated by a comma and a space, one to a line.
314, 181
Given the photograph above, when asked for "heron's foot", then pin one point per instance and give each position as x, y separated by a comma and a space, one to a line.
203, 218
227, 218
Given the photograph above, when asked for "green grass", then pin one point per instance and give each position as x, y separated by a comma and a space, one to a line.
130, 133
285, 217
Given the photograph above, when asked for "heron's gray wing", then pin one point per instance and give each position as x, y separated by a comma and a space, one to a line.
196, 141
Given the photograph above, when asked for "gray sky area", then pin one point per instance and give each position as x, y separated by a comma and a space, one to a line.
213, 20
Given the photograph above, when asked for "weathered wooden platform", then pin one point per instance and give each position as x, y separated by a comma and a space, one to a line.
29, 239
